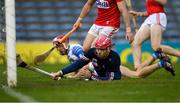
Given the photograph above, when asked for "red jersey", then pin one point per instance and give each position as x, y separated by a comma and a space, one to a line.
153, 7
108, 13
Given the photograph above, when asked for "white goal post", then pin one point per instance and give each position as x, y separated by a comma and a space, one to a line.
10, 42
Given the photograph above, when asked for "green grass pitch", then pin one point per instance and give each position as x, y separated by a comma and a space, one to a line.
159, 87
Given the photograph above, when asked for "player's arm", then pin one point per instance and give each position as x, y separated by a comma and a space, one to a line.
122, 8
70, 68
162, 2
76, 65
84, 12
87, 8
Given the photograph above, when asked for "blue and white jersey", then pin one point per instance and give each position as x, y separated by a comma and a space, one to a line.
75, 52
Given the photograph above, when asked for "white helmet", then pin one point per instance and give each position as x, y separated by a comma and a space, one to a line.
57, 40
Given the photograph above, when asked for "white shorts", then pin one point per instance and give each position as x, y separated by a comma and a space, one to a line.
157, 18
105, 30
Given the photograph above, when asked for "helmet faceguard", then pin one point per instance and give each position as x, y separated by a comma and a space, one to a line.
103, 42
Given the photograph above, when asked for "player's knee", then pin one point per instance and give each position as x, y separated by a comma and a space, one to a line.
140, 75
135, 44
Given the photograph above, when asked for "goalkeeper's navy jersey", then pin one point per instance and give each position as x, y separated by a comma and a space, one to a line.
103, 67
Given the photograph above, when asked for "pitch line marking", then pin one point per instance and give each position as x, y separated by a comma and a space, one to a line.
21, 97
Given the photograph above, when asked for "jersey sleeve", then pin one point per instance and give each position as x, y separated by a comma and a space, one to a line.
78, 51
74, 66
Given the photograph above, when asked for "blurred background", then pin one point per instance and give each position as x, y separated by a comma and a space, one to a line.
39, 21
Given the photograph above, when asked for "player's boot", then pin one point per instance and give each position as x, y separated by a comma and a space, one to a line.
168, 67
167, 61
162, 56
20, 62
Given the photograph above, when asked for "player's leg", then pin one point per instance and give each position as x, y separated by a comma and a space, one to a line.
165, 61
142, 34
128, 72
171, 51
147, 62
93, 43
156, 55
83, 73
159, 22
143, 69
156, 37
90, 37
146, 69
140, 73
88, 42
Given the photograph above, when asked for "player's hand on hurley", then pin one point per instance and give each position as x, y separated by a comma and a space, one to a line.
129, 37
133, 13
78, 23
56, 75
